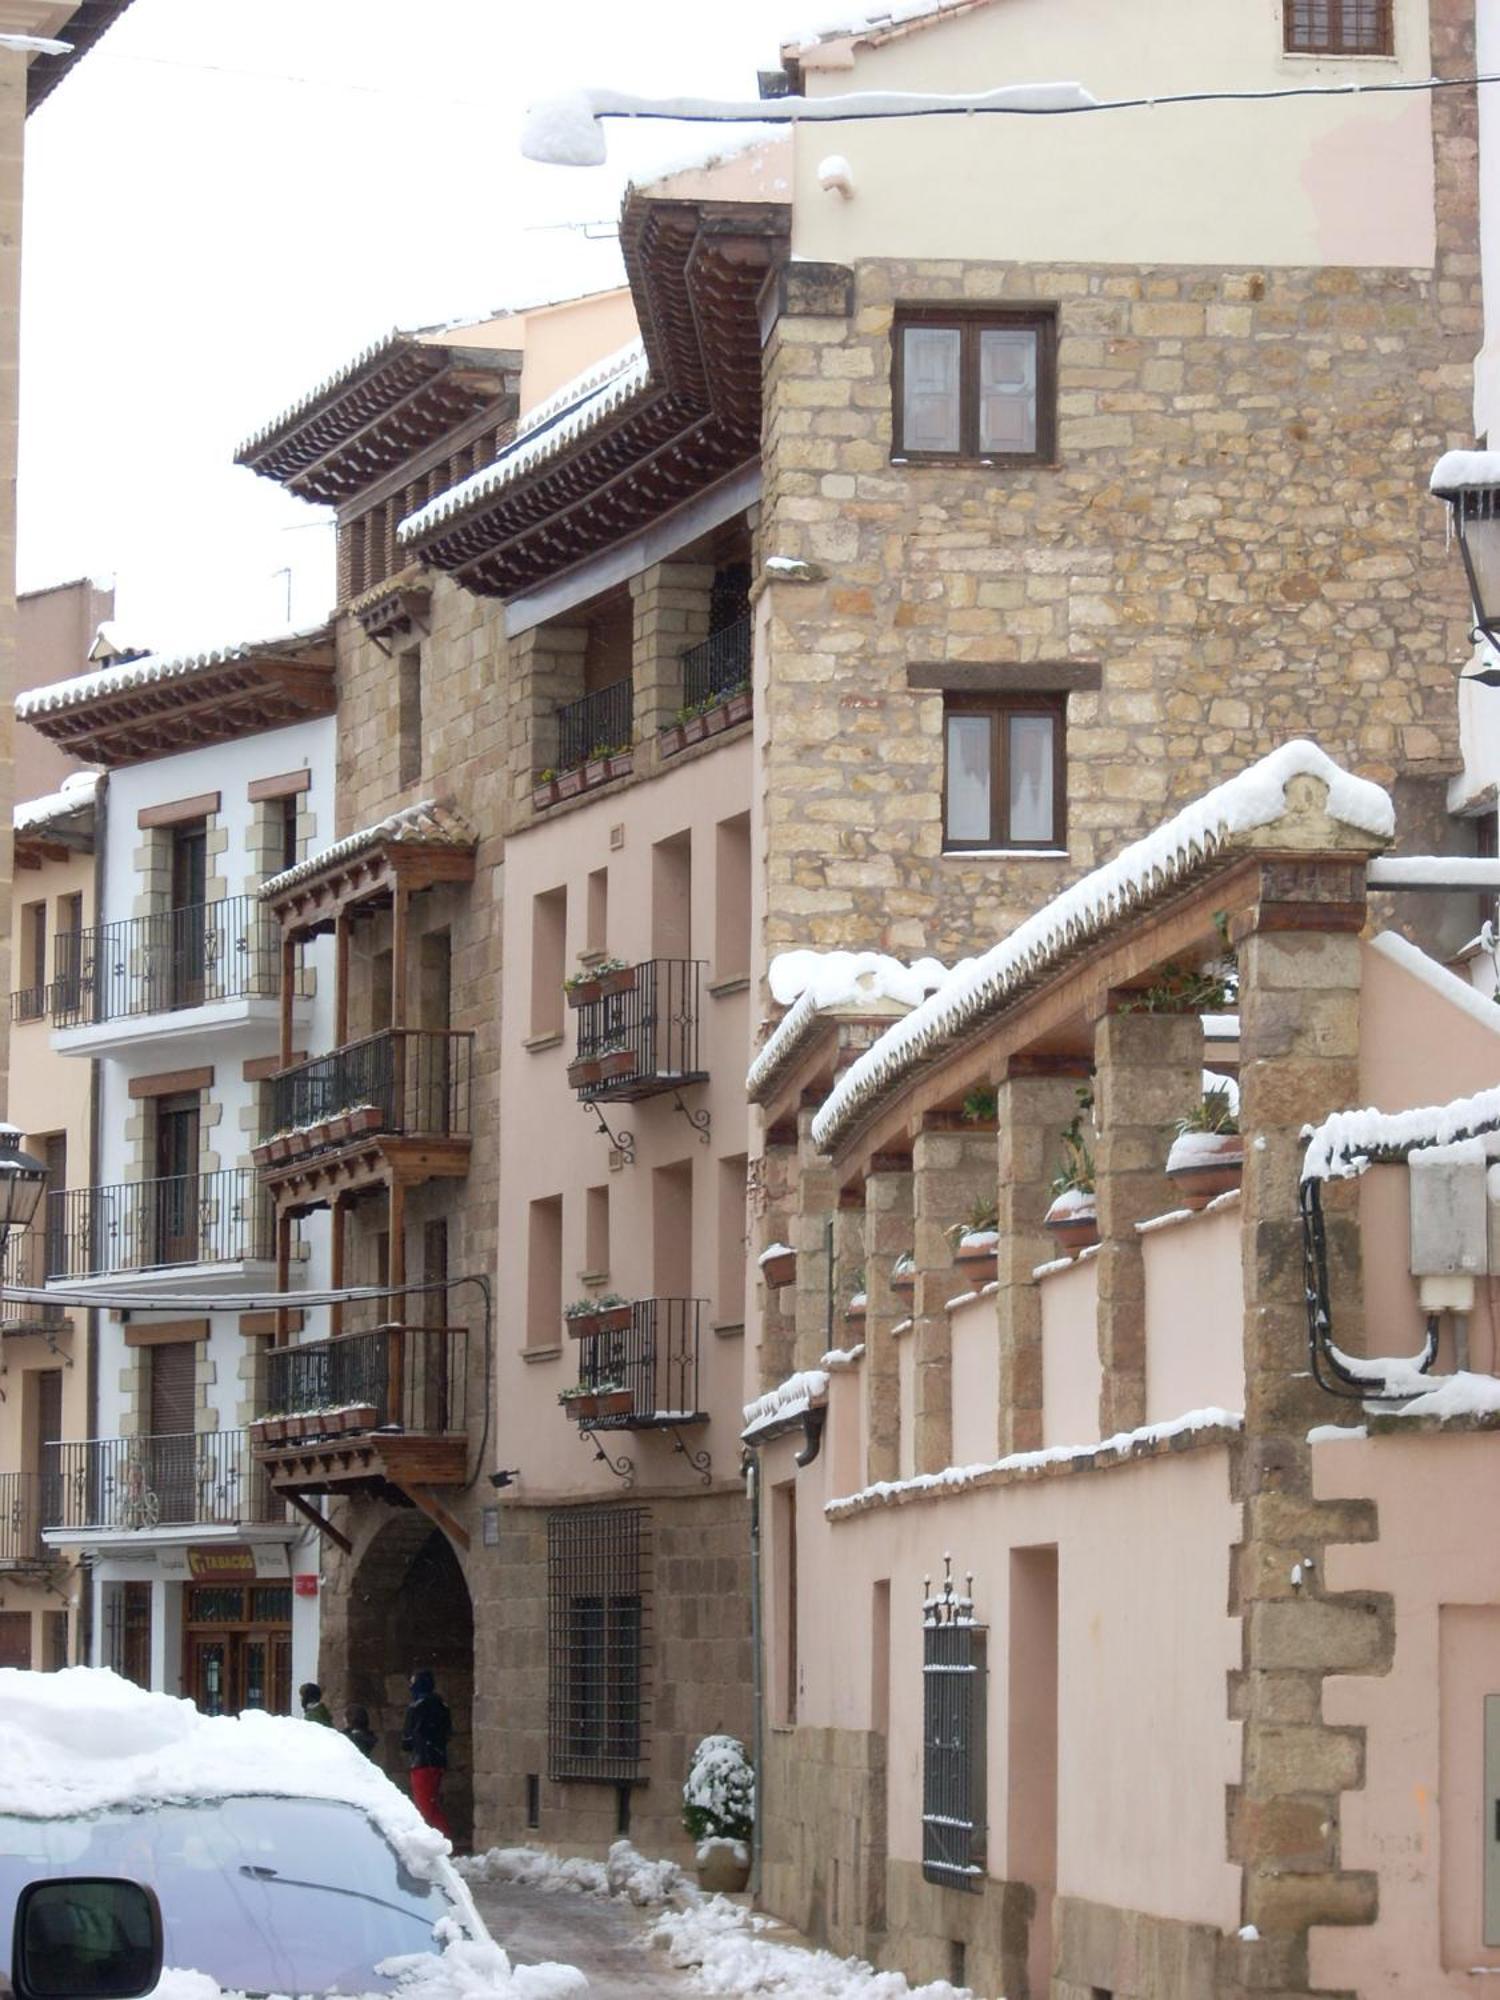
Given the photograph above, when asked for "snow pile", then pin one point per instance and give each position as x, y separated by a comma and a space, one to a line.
791, 1398
84, 1740
775, 1250
466, 1969
1460, 1395
626, 1874
839, 1360
1256, 797
1341, 1147
810, 983
78, 790
729, 1953
1456, 470
956, 1478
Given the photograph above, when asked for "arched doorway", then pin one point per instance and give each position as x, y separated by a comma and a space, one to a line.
410, 1608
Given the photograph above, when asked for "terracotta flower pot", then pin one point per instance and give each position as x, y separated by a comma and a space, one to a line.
584, 994
779, 1270
904, 1283
570, 784
543, 796
738, 708
694, 729
1204, 1164
723, 1867
615, 1319
618, 1063
361, 1417
580, 1408
582, 1326
978, 1256
617, 1403
583, 1073
1073, 1220
670, 740
620, 981
854, 1316
594, 773
365, 1119
619, 766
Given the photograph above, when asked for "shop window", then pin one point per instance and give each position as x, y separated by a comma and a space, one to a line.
974, 387
1005, 772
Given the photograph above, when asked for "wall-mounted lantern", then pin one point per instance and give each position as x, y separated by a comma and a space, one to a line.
1469, 481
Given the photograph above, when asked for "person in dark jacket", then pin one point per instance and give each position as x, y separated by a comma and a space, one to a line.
357, 1729
314, 1708
424, 1738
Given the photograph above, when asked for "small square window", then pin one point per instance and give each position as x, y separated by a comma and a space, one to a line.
1338, 27
1004, 772
974, 386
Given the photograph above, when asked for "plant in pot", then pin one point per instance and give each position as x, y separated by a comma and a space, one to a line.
614, 976
1207, 1157
615, 1399
616, 1059
582, 988
583, 1072
737, 703
854, 1312
979, 1106
544, 790
904, 1274
1073, 1217
778, 1265
580, 1400
976, 1241
718, 1811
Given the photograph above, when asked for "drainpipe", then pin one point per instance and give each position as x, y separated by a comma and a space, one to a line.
757, 1682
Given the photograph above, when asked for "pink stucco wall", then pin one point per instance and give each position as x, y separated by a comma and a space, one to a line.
976, 1379
1070, 1354
1194, 1309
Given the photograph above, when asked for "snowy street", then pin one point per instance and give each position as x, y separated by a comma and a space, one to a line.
604, 1936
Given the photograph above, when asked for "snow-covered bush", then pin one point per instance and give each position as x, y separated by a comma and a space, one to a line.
718, 1800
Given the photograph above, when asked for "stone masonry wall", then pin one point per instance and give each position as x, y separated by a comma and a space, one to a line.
1237, 534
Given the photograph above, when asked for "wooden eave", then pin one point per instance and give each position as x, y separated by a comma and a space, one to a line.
376, 1160
812, 1069
1049, 1026
217, 703
696, 271
369, 876
409, 395
399, 1466
82, 29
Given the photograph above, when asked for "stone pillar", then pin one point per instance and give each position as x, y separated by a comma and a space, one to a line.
671, 607
888, 1235
1032, 1107
813, 1240
776, 1197
1299, 1046
543, 670
951, 1170
1148, 1073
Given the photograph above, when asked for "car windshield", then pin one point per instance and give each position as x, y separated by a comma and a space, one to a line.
268, 1895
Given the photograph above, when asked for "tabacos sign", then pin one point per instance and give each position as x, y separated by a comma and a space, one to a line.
221, 1565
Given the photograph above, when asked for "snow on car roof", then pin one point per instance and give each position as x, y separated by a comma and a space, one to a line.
83, 1740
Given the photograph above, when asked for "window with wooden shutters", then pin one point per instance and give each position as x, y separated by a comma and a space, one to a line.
954, 1694
1339, 27
173, 1370
597, 1594
169, 1466
975, 386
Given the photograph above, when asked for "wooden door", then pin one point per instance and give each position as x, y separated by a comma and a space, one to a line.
47, 1418
176, 1232
188, 954
15, 1638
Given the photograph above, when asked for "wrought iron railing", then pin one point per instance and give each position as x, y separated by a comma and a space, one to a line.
953, 1737
718, 666
229, 950
642, 1038
205, 1479
654, 1359
30, 1258
20, 1523
403, 1080
412, 1377
28, 1003
219, 1218
595, 726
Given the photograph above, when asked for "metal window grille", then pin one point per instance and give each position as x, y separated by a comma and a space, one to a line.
598, 1642
953, 1735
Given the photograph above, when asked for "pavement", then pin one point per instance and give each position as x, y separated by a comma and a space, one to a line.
603, 1936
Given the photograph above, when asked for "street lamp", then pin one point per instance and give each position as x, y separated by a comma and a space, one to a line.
1469, 481
21, 1182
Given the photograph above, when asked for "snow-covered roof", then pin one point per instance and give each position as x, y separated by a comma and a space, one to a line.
600, 392
1254, 798
811, 983
835, 23
427, 824
799, 1393
153, 668
84, 1740
77, 794
1457, 470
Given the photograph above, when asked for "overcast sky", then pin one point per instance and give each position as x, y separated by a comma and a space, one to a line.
229, 198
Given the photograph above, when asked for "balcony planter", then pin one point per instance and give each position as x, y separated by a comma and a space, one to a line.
977, 1256
363, 1118
620, 979
904, 1276
716, 720
595, 771
616, 1402
1202, 1165
694, 728
1073, 1219
671, 739
359, 1417
854, 1315
268, 1431
583, 993
294, 1428
604, 1319
620, 765
617, 1063
579, 1408
570, 783
778, 1266
278, 1148
583, 1073
738, 708
544, 795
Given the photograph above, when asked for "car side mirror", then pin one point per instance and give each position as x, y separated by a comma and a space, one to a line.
86, 1937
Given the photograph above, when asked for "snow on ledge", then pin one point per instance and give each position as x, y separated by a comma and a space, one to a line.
799, 1393
1457, 470
809, 983
839, 1360
1340, 1148
960, 1478
79, 790
1254, 798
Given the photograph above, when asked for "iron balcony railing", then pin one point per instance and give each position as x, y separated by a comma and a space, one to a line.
654, 1359
20, 1521
593, 727
412, 1378
203, 1479
30, 1258
643, 1038
219, 1218
28, 1003
403, 1080
719, 665
229, 950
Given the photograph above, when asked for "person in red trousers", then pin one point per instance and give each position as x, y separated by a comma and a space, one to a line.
424, 1738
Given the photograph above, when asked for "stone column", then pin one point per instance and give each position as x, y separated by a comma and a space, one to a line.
1148, 1073
671, 606
777, 1195
888, 1234
951, 1170
817, 1206
1299, 1046
1033, 1105
544, 669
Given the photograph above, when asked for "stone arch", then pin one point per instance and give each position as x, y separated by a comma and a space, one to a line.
409, 1607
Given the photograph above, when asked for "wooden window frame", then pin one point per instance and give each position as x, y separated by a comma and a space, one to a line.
1337, 43
1000, 708
970, 322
